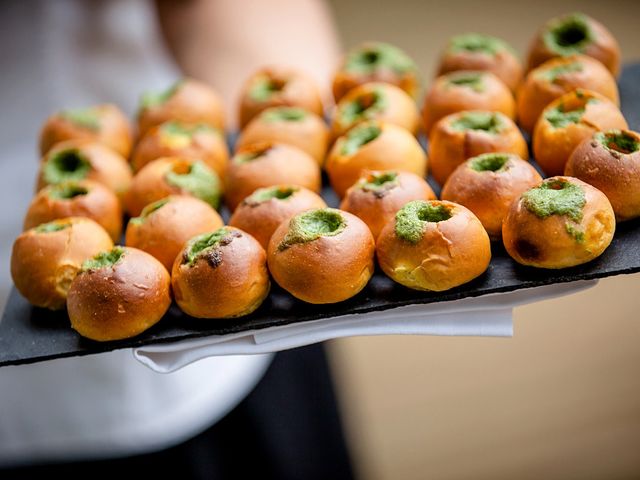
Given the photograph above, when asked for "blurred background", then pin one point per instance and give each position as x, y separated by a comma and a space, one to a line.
560, 400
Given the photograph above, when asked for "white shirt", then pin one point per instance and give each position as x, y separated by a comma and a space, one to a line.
67, 54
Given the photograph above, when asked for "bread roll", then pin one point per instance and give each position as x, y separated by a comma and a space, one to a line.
45, 259
220, 274
322, 256
264, 210
433, 245
610, 161
119, 293
164, 226
488, 184
561, 223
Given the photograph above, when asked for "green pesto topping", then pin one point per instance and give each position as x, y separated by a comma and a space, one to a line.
358, 136
472, 80
568, 35
54, 226
104, 259
251, 154
67, 190
264, 87
559, 118
364, 107
477, 43
493, 162
278, 192
555, 197
65, 165
83, 117
575, 232
206, 243
379, 181
284, 114
552, 74
487, 121
412, 218
313, 224
177, 129
148, 210
155, 99
200, 181
368, 58
618, 141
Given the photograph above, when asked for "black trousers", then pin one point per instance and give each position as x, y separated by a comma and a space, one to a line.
289, 427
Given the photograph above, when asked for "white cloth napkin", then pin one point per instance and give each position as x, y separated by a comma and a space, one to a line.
488, 315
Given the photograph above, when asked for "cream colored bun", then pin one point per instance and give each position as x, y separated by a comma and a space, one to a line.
566, 122
373, 145
221, 274
433, 245
474, 51
466, 90
277, 86
187, 100
460, 136
556, 77
164, 226
610, 161
118, 294
291, 125
322, 256
105, 123
46, 259
561, 223
198, 141
376, 62
488, 184
378, 195
266, 164
173, 176
575, 33
85, 160
264, 210
375, 101
83, 198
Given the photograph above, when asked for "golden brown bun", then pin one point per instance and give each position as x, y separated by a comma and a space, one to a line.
488, 184
393, 148
376, 201
446, 254
547, 82
152, 183
84, 198
406, 77
574, 38
276, 86
106, 124
376, 101
327, 269
262, 212
451, 142
291, 125
466, 90
267, 164
462, 54
229, 279
119, 301
558, 241
613, 170
44, 263
188, 101
173, 139
168, 224
554, 139
104, 165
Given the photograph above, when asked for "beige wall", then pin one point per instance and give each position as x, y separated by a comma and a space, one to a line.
559, 400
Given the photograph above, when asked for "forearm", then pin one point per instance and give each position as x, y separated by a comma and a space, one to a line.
223, 42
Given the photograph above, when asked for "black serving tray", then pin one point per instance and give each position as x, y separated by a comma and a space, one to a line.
29, 334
